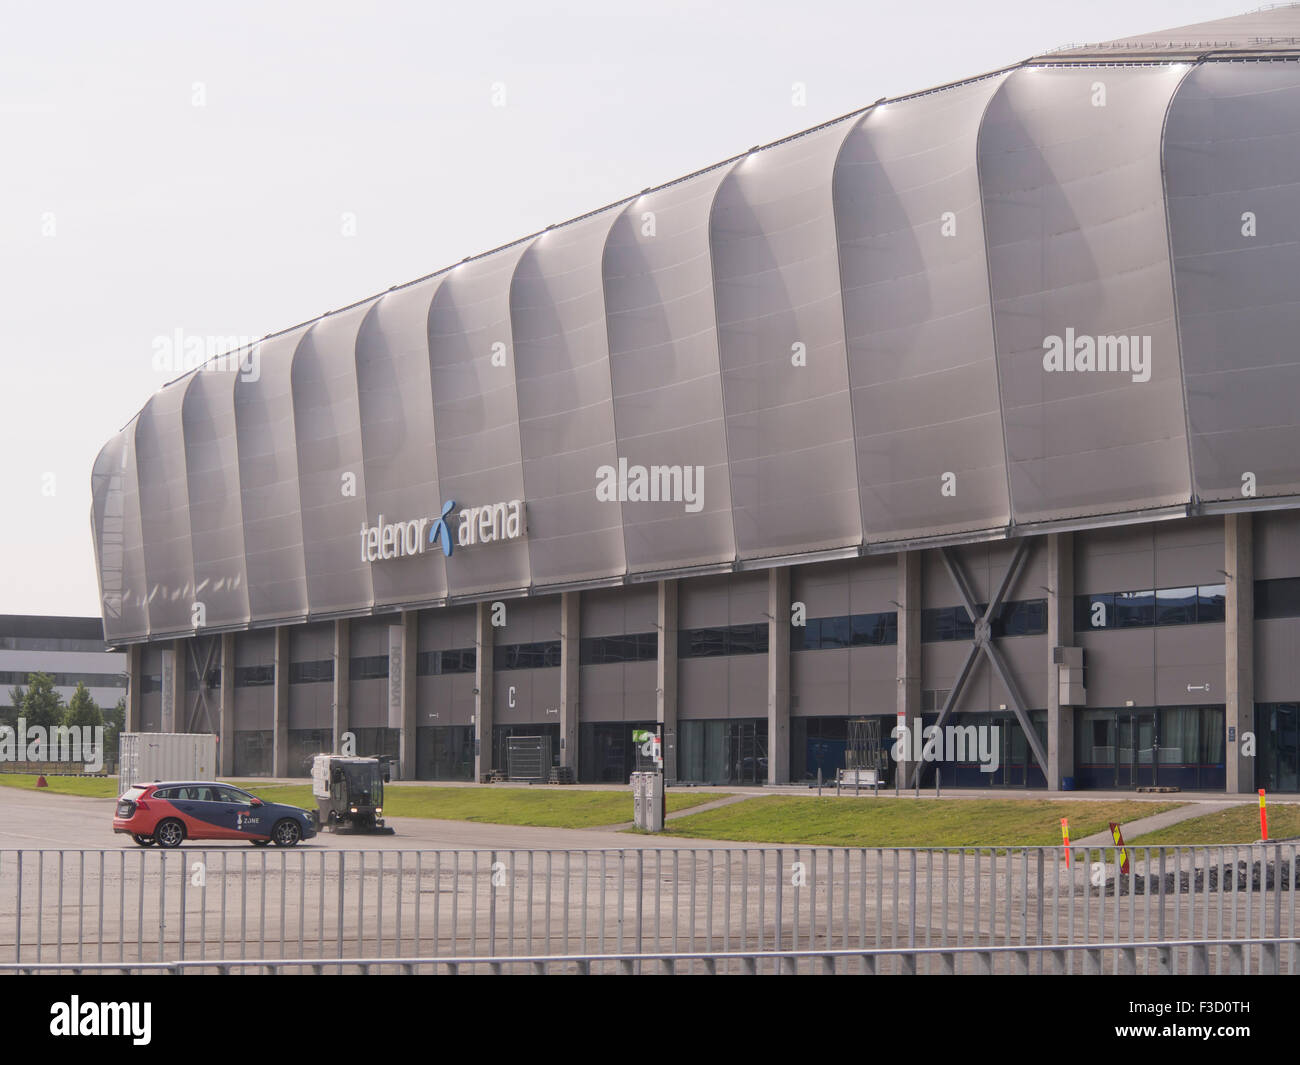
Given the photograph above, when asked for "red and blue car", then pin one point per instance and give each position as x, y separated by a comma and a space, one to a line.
170, 812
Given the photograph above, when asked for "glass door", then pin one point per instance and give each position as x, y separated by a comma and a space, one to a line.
1125, 757
1146, 770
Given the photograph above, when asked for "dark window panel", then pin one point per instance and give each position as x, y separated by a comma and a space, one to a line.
1278, 599
1175, 606
1135, 609
370, 667
315, 672
253, 676
1088, 616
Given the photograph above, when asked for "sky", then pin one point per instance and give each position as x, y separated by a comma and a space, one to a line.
235, 169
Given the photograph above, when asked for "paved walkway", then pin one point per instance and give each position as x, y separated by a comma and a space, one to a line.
726, 800
1133, 829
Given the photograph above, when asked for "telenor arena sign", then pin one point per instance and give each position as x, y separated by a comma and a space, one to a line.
478, 525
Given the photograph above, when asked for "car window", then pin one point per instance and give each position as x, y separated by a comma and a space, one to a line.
233, 795
165, 793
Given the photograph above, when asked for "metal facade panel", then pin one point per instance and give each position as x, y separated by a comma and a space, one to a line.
916, 309
135, 585
1074, 212
663, 362
216, 516
165, 511
566, 409
476, 414
397, 437
115, 521
331, 474
1232, 162
777, 288
268, 480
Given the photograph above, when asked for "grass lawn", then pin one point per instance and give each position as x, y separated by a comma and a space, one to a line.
873, 822
94, 787
1239, 824
540, 808
543, 808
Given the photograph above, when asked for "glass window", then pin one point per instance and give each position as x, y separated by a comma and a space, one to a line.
750, 639
253, 676
311, 672
370, 667
1278, 599
1210, 602
874, 629
1096, 738
1175, 606
1094, 611
1135, 609
836, 632
701, 643
1023, 618
806, 637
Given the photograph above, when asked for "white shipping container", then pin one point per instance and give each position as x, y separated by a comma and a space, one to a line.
149, 756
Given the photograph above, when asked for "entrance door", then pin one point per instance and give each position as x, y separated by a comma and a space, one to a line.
1125, 756
747, 753
1015, 754
1146, 771
1137, 749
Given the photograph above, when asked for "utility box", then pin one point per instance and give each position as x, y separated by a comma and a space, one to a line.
1069, 676
144, 757
648, 801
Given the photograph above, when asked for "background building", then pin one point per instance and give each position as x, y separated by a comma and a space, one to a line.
71, 650
996, 381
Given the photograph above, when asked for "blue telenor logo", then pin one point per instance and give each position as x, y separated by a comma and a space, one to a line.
440, 529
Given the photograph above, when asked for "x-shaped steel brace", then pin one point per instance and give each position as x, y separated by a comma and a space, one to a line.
983, 644
210, 648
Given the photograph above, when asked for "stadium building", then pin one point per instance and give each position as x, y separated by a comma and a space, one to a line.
993, 387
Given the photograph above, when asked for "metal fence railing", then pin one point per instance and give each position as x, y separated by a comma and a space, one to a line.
1156, 958
939, 909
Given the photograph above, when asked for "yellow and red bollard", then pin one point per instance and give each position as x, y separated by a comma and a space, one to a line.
1263, 818
1065, 839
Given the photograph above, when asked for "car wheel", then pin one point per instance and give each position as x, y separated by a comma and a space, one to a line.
259, 842
286, 833
169, 834
144, 841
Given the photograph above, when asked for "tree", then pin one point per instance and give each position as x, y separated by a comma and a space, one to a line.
82, 709
41, 705
114, 724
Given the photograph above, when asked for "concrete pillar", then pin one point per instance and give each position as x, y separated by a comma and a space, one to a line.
226, 708
1239, 649
1060, 633
484, 641
134, 656
778, 675
570, 677
908, 703
280, 713
173, 716
666, 675
340, 711
406, 749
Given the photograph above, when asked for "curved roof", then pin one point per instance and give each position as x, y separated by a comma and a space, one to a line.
882, 332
